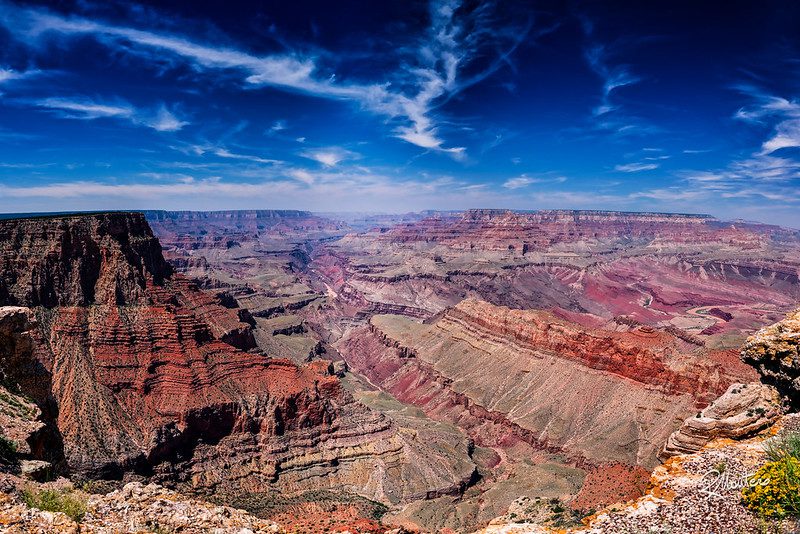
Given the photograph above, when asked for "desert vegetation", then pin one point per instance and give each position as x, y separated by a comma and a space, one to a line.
776, 491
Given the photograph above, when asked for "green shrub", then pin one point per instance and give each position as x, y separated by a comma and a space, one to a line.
783, 445
66, 502
8, 450
779, 494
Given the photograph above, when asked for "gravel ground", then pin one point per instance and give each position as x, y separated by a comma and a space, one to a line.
699, 506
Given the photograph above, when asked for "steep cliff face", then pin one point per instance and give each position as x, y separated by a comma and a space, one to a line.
133, 370
28, 410
193, 230
77, 261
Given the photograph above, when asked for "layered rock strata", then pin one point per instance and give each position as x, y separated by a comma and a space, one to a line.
742, 411
130, 363
524, 232
657, 269
511, 374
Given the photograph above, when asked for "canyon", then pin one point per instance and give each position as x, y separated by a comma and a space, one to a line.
428, 370
143, 373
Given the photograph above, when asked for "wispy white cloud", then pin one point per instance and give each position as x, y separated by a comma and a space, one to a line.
409, 97
85, 109
302, 175
764, 105
768, 107
518, 182
756, 169
162, 119
524, 180
787, 135
277, 126
223, 152
636, 167
8, 76
614, 77
330, 156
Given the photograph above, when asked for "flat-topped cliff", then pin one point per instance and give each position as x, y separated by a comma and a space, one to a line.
523, 232
157, 215
62, 260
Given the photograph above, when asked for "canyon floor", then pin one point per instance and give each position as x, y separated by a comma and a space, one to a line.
420, 372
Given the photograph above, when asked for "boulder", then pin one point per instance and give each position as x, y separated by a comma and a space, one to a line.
38, 470
743, 410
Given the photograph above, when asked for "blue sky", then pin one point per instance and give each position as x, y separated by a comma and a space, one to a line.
399, 106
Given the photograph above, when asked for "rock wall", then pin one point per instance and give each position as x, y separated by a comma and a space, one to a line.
107, 258
129, 361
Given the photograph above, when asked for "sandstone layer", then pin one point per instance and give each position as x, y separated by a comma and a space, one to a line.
742, 411
600, 395
527, 231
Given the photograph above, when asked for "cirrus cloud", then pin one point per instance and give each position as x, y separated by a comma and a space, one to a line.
161, 119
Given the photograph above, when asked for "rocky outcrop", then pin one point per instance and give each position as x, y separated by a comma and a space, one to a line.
134, 508
775, 352
742, 411
27, 409
130, 363
699, 492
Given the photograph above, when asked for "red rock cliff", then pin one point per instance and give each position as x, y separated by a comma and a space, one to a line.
107, 258
138, 376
